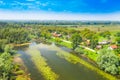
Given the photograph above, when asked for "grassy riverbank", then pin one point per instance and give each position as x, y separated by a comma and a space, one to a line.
74, 59
19, 45
23, 75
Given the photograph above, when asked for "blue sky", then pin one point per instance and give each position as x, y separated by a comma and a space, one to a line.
60, 9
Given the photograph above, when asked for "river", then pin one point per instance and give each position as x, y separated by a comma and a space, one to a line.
65, 69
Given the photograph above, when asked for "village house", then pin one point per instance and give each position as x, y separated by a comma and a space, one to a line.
112, 47
104, 42
67, 37
55, 34
98, 46
87, 42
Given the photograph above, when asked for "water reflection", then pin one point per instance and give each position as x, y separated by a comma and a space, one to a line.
66, 70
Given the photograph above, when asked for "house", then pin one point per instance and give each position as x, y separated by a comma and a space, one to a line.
112, 47
98, 47
67, 37
55, 34
103, 42
87, 42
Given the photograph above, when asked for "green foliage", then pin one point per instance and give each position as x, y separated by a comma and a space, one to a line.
9, 49
117, 34
117, 51
106, 34
87, 34
45, 34
90, 35
91, 55
76, 39
19, 72
6, 66
93, 41
109, 62
58, 40
14, 35
21, 77
117, 39
68, 45
3, 42
79, 50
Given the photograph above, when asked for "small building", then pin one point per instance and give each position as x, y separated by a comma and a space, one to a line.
98, 47
56, 35
112, 47
103, 42
67, 37
87, 42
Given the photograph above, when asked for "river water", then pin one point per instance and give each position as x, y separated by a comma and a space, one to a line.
65, 69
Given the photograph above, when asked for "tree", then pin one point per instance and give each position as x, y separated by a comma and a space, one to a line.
93, 41
9, 49
76, 39
3, 42
109, 62
117, 34
45, 35
117, 51
106, 34
6, 66
118, 38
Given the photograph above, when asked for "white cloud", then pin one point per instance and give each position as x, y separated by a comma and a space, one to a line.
9, 15
30, 5
42, 3
19, 5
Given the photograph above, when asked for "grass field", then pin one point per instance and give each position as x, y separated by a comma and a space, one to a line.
99, 28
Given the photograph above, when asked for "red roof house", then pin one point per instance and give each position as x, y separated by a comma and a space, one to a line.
113, 47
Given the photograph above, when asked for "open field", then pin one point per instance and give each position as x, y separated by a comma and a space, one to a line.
99, 28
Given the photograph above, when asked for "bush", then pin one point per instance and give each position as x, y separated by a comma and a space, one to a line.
80, 50
109, 62
21, 78
20, 72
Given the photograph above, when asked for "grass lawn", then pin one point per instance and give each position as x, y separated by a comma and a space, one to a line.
91, 55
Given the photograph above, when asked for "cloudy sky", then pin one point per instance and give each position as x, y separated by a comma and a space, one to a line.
60, 10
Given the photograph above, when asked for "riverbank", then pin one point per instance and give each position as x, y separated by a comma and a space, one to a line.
94, 68
75, 60
20, 45
91, 66
22, 70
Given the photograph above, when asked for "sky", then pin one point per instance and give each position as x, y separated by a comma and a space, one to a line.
60, 10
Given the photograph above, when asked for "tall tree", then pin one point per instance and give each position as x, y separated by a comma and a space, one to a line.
76, 39
106, 34
93, 41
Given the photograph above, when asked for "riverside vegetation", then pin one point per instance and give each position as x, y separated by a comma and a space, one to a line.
41, 64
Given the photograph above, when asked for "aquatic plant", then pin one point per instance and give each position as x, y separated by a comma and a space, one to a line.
41, 64
74, 59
